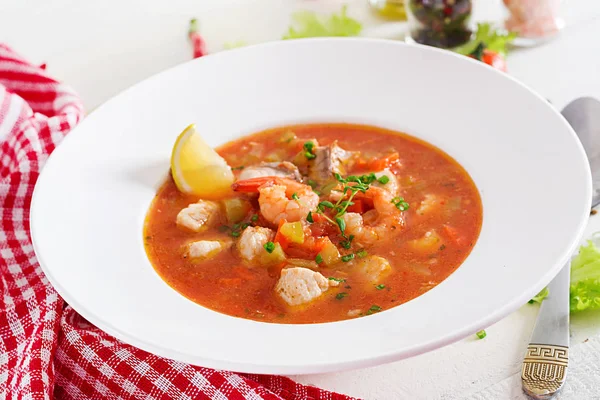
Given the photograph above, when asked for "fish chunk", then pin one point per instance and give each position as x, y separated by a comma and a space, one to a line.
283, 169
301, 285
374, 267
328, 160
252, 242
204, 249
428, 205
199, 216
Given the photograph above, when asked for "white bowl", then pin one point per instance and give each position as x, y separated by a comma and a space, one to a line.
91, 199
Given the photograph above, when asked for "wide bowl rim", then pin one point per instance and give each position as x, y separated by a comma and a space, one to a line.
323, 366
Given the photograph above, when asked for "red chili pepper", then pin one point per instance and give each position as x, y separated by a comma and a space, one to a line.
197, 41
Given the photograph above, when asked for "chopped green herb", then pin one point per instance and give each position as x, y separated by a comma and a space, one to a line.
383, 180
362, 253
341, 223
254, 218
348, 257
318, 259
308, 146
374, 308
339, 177
269, 247
245, 225
341, 295
400, 203
331, 278
481, 334
380, 287
240, 167
236, 226
327, 204
308, 150
312, 183
295, 196
235, 233
309, 217
223, 228
347, 243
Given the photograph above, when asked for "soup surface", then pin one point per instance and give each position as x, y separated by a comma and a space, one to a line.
325, 222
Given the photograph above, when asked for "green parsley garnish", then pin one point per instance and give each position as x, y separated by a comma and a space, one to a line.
240, 167
400, 203
347, 257
380, 287
309, 217
235, 233
324, 204
374, 308
341, 224
383, 180
308, 150
295, 196
312, 183
481, 334
341, 295
362, 253
347, 243
331, 278
269, 247
318, 259
254, 218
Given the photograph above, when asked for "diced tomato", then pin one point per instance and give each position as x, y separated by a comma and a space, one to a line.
357, 207
494, 59
280, 238
383, 163
230, 282
454, 235
243, 272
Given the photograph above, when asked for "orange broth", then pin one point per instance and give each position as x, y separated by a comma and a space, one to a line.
228, 285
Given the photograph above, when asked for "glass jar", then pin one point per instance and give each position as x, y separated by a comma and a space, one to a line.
534, 21
390, 9
439, 23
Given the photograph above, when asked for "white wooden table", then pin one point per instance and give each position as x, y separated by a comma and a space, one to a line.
103, 47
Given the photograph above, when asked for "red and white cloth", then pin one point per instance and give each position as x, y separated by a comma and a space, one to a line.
46, 349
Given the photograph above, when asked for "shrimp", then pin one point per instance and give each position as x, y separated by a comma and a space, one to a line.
280, 198
375, 224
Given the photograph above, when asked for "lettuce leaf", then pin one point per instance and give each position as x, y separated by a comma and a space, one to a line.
538, 298
306, 24
491, 39
585, 278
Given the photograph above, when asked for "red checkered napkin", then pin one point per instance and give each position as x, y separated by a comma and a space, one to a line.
46, 349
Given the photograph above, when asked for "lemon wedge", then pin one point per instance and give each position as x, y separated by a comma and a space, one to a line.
197, 168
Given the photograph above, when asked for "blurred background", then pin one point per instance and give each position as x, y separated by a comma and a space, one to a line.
102, 47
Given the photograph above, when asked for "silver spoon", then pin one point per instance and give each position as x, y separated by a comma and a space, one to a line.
547, 358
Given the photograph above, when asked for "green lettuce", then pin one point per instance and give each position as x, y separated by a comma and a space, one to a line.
490, 38
585, 278
538, 298
307, 24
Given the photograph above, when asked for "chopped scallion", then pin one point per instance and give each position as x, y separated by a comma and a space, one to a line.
269, 247
347, 257
383, 180
341, 295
